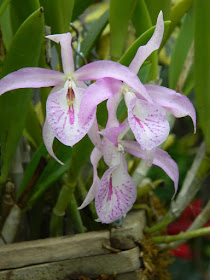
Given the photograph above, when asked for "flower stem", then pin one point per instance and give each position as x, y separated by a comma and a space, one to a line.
181, 236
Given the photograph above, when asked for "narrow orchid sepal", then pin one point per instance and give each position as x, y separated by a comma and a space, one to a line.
66, 51
48, 137
31, 77
161, 159
95, 157
174, 102
153, 44
109, 69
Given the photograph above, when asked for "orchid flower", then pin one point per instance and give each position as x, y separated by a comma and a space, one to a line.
146, 117
115, 193
63, 103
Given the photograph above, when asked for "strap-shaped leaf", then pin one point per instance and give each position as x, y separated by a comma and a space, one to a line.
58, 14
181, 49
202, 66
155, 7
24, 51
120, 13
94, 31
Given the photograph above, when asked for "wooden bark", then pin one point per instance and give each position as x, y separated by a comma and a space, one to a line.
89, 254
108, 264
124, 238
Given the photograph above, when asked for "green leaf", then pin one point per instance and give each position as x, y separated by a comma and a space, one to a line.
19, 13
6, 28
58, 14
3, 6
142, 40
79, 7
202, 69
31, 168
190, 81
177, 12
32, 127
119, 20
155, 7
141, 18
24, 51
94, 32
181, 49
73, 161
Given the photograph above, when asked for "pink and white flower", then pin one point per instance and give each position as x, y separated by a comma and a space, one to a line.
63, 103
146, 116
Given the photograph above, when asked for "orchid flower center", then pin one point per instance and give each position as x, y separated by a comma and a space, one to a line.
70, 98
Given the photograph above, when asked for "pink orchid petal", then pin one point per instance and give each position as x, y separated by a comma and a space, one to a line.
64, 119
48, 137
148, 123
112, 105
109, 69
31, 77
112, 133
115, 194
94, 135
66, 51
174, 102
95, 94
110, 154
153, 44
161, 159
95, 157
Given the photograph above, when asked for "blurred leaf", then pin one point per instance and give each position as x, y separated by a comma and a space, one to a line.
32, 127
58, 14
6, 28
73, 160
94, 32
120, 14
3, 6
155, 7
79, 7
142, 40
190, 82
20, 11
141, 18
177, 12
24, 51
181, 49
31, 168
202, 63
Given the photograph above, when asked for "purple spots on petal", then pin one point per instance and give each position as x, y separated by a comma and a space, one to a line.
110, 192
71, 114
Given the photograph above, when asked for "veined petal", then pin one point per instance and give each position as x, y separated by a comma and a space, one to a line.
174, 102
109, 69
48, 137
161, 159
153, 44
95, 157
63, 117
66, 51
112, 133
95, 94
115, 194
31, 77
148, 123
